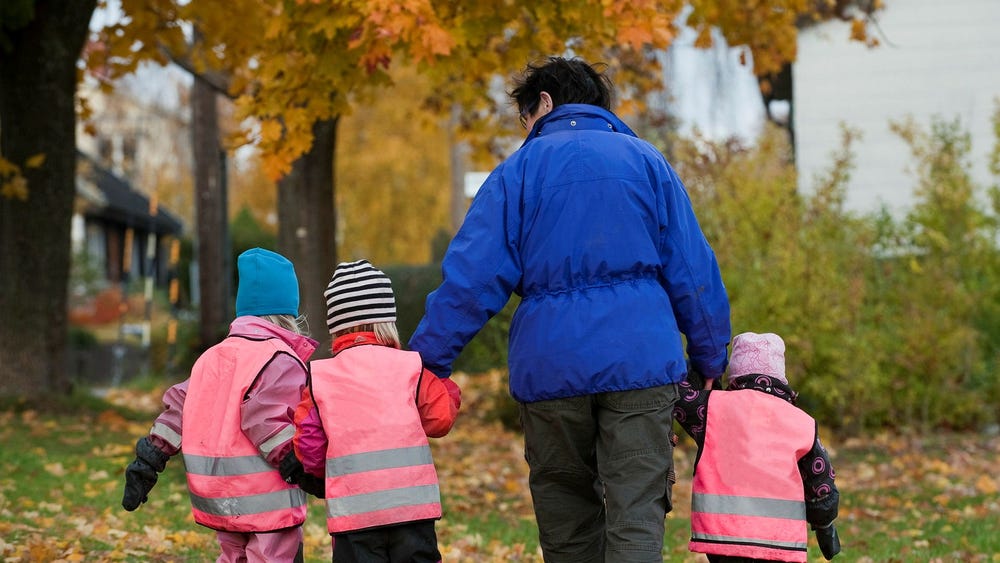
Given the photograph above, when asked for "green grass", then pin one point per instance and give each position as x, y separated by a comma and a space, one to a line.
904, 498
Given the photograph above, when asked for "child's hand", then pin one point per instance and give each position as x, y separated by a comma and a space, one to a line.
139, 480
453, 391
141, 474
828, 540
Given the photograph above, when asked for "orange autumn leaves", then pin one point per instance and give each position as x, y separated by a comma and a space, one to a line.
290, 64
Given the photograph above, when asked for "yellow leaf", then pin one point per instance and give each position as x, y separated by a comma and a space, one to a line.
35, 161
859, 30
15, 188
986, 485
270, 130
7, 167
56, 469
704, 39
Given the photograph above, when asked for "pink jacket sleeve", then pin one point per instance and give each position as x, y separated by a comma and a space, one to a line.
166, 431
267, 413
310, 438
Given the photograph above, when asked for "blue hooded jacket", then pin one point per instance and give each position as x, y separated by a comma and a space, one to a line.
594, 230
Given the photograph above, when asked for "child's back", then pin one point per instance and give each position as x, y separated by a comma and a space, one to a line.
762, 473
363, 426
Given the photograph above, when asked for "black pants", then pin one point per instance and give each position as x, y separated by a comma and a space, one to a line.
601, 468
412, 542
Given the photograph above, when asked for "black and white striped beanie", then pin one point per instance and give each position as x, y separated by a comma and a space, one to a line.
358, 294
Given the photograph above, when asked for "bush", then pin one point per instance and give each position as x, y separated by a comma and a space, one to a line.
412, 284
888, 322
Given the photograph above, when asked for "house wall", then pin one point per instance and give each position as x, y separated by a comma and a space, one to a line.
936, 59
140, 133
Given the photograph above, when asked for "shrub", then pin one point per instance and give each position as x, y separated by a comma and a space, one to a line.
888, 322
412, 284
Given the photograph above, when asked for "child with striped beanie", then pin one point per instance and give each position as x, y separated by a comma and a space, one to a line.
363, 425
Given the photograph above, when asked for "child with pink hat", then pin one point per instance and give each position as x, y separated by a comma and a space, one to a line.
761, 474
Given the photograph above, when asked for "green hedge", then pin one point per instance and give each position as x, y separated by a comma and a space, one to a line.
412, 284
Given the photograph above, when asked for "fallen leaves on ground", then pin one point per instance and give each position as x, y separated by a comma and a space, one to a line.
893, 488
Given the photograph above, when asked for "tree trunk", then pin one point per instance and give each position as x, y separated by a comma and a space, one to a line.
212, 249
37, 116
307, 227
780, 86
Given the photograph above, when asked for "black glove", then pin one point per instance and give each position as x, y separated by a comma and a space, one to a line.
291, 469
293, 474
141, 474
829, 541
315, 486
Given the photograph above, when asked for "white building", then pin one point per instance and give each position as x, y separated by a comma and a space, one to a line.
936, 59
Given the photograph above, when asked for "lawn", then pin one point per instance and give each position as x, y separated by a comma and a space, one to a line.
905, 497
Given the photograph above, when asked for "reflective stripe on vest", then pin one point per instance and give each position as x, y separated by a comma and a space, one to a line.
249, 505
379, 468
385, 459
748, 506
226, 466
752, 542
747, 493
347, 506
408, 493
232, 487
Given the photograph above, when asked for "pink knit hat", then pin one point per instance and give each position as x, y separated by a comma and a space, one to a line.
762, 354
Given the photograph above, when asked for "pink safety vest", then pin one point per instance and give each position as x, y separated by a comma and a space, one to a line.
747, 493
232, 487
379, 469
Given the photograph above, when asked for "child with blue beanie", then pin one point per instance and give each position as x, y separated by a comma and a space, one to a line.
232, 421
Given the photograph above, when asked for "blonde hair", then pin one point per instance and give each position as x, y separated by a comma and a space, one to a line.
298, 324
386, 333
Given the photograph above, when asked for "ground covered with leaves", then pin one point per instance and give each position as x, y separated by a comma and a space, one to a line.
905, 496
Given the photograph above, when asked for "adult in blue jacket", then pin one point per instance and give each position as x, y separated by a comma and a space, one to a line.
592, 228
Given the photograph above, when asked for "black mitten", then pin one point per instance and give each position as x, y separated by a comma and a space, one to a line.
829, 541
290, 468
292, 472
315, 486
141, 474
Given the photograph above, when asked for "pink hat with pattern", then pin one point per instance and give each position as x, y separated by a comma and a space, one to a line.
762, 354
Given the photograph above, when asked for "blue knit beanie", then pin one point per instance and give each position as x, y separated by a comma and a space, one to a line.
267, 284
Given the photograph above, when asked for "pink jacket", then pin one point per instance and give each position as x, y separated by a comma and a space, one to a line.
269, 406
231, 484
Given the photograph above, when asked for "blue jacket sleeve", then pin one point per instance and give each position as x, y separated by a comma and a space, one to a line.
480, 271
692, 279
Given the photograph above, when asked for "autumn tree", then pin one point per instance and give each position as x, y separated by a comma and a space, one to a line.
165, 31
297, 67
393, 172
40, 44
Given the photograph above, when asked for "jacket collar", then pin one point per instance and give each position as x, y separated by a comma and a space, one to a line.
579, 116
255, 327
352, 339
764, 384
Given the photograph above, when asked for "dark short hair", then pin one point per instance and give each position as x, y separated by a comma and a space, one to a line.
568, 81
